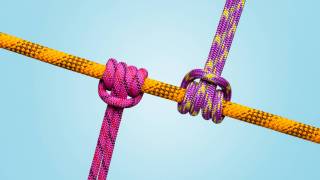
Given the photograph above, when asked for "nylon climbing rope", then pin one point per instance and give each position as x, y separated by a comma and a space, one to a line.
205, 95
122, 81
211, 95
157, 88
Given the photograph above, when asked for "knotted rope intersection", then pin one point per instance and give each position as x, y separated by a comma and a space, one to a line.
122, 81
205, 95
211, 95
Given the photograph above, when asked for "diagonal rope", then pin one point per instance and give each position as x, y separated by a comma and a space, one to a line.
160, 89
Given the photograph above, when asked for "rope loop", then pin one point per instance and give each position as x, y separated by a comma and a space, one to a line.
122, 81
206, 95
119, 78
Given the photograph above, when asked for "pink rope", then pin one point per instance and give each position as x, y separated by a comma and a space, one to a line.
122, 81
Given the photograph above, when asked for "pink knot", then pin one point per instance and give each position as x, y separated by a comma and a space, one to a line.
122, 81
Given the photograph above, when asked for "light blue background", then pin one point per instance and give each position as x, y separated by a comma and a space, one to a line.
50, 118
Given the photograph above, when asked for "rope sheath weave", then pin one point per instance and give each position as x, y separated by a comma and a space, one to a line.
157, 88
122, 81
205, 95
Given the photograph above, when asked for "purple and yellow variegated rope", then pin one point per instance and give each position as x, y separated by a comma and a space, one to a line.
204, 95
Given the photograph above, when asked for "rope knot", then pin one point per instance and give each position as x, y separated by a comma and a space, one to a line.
122, 81
206, 95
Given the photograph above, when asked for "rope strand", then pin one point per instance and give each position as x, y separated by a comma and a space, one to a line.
157, 88
122, 81
205, 95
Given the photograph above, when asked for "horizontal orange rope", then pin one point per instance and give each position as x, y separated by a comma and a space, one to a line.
158, 88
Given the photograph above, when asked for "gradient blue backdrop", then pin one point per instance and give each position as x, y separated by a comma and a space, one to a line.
50, 117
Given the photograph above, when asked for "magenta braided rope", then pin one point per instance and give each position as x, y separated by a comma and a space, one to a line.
122, 81
207, 94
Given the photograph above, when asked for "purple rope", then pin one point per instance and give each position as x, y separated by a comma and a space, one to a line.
122, 81
205, 94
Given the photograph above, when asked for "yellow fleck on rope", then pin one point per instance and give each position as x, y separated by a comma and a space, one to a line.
158, 88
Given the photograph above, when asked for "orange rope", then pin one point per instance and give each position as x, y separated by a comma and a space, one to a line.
158, 88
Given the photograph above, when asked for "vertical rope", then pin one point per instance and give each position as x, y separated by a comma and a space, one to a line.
122, 81
205, 95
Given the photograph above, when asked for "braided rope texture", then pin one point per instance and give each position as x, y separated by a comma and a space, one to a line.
271, 121
122, 81
81, 65
205, 94
156, 88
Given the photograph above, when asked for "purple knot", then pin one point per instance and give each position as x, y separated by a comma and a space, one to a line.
122, 81
206, 95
